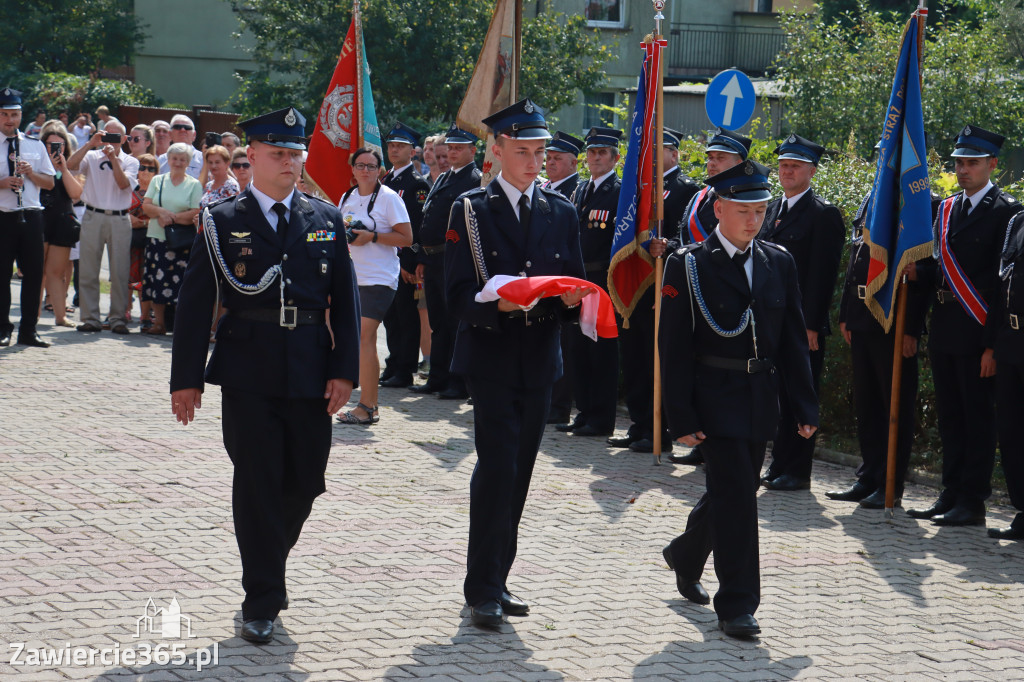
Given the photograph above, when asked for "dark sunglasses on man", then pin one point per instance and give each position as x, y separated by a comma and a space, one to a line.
181, 126
238, 164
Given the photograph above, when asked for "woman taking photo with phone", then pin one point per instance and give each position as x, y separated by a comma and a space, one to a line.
377, 225
60, 226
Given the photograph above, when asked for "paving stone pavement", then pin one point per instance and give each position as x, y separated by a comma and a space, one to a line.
107, 502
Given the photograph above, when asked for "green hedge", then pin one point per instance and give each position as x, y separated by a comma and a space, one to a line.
56, 92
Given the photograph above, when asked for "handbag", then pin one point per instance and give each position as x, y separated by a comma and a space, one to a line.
177, 237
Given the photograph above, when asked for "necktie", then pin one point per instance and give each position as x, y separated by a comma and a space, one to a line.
740, 258
965, 208
524, 211
10, 156
783, 212
588, 193
282, 223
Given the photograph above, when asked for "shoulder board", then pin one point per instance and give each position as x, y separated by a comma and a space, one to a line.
773, 245
1008, 198
952, 196
551, 192
220, 201
686, 248
316, 198
824, 201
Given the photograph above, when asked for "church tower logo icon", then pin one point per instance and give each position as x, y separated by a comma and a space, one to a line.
167, 622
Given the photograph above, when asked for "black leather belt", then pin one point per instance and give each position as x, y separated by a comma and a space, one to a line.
749, 366
433, 250
289, 316
944, 296
596, 266
105, 211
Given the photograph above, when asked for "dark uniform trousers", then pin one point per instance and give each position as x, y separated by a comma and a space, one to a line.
21, 242
433, 230
965, 402
737, 410
561, 392
1009, 353
813, 232
509, 361
402, 320
595, 369
275, 424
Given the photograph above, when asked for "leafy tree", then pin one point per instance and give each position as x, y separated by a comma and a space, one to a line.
839, 75
56, 92
77, 37
421, 53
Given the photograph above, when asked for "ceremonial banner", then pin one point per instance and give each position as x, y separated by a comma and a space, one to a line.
493, 86
632, 269
898, 225
347, 119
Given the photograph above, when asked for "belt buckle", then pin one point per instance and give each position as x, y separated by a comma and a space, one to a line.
751, 369
862, 291
289, 316
1014, 322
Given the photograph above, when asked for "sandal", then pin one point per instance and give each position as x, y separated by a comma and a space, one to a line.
156, 330
48, 308
349, 418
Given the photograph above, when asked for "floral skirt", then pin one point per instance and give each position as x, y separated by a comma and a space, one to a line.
164, 270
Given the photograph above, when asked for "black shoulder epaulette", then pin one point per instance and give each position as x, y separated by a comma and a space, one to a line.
686, 248
780, 247
220, 201
322, 201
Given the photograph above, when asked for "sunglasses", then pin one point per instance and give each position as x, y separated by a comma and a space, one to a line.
138, 138
240, 165
151, 169
366, 167
181, 126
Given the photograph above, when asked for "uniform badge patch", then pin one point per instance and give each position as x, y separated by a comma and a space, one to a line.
239, 269
669, 291
421, 196
246, 251
451, 236
240, 235
321, 236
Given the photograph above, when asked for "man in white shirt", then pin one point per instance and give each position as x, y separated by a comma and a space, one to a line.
112, 175
25, 171
183, 130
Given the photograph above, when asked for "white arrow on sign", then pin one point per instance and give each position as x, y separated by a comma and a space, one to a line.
731, 92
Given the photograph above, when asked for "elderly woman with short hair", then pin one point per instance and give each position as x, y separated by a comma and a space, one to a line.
221, 185
241, 167
172, 199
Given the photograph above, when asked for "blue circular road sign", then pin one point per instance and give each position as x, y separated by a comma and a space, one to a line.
730, 100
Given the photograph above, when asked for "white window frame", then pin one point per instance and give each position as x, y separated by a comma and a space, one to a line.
621, 23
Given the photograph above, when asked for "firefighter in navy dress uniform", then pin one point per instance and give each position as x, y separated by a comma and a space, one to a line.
402, 321
287, 352
732, 332
509, 357
636, 342
812, 230
595, 380
461, 177
725, 149
561, 159
968, 239
1009, 354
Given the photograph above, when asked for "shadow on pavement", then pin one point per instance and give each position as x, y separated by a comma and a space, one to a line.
502, 648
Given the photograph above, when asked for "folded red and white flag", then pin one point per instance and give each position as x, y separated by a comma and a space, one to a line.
597, 316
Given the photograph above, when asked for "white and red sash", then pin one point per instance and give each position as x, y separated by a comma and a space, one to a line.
972, 302
697, 231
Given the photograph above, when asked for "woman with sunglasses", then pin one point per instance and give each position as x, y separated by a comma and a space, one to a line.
148, 169
59, 222
240, 167
140, 140
377, 225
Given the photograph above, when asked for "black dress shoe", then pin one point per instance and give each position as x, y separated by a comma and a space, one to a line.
35, 341
940, 506
855, 493
589, 431
486, 613
5, 340
788, 482
396, 382
452, 394
690, 589
513, 605
647, 445
740, 626
571, 426
623, 441
258, 630
693, 458
284, 604
876, 500
385, 375
961, 515
425, 389
558, 419
1010, 533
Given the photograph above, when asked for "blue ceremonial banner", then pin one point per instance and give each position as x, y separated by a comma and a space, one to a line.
631, 270
898, 225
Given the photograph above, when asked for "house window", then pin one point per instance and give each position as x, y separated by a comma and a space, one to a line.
606, 13
594, 114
